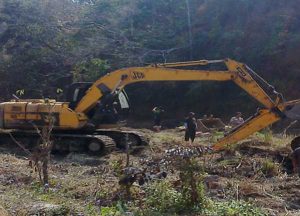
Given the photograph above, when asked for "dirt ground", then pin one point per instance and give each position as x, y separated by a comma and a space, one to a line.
258, 170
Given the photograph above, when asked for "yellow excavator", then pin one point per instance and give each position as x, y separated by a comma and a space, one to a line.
77, 124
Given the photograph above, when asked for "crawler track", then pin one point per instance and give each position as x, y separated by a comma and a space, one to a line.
99, 141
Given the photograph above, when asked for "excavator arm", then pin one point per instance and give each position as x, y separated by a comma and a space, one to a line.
262, 119
239, 73
120, 78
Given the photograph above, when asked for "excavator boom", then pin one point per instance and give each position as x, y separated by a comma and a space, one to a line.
237, 72
118, 79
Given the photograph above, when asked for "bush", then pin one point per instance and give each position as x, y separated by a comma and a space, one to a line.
108, 211
161, 197
116, 210
189, 197
269, 168
192, 188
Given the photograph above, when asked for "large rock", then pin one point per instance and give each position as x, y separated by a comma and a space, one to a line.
42, 208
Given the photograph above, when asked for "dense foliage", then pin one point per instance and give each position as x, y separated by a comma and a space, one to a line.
46, 44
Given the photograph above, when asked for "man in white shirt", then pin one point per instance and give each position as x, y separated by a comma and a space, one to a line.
236, 120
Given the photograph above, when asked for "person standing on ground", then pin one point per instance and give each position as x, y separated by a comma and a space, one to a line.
190, 128
295, 156
115, 112
236, 120
157, 112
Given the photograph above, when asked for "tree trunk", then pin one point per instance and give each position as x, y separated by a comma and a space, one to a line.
187, 2
45, 171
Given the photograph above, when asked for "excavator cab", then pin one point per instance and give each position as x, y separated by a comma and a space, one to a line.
75, 92
106, 112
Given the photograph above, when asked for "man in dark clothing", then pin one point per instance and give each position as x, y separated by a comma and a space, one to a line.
157, 111
190, 128
115, 111
295, 144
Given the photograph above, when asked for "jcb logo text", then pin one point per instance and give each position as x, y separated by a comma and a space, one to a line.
137, 75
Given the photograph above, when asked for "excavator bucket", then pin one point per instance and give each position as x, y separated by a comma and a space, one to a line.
206, 125
293, 111
201, 126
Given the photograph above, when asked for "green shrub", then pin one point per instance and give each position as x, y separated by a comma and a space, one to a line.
161, 197
189, 196
109, 211
192, 188
269, 168
266, 135
117, 167
93, 210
